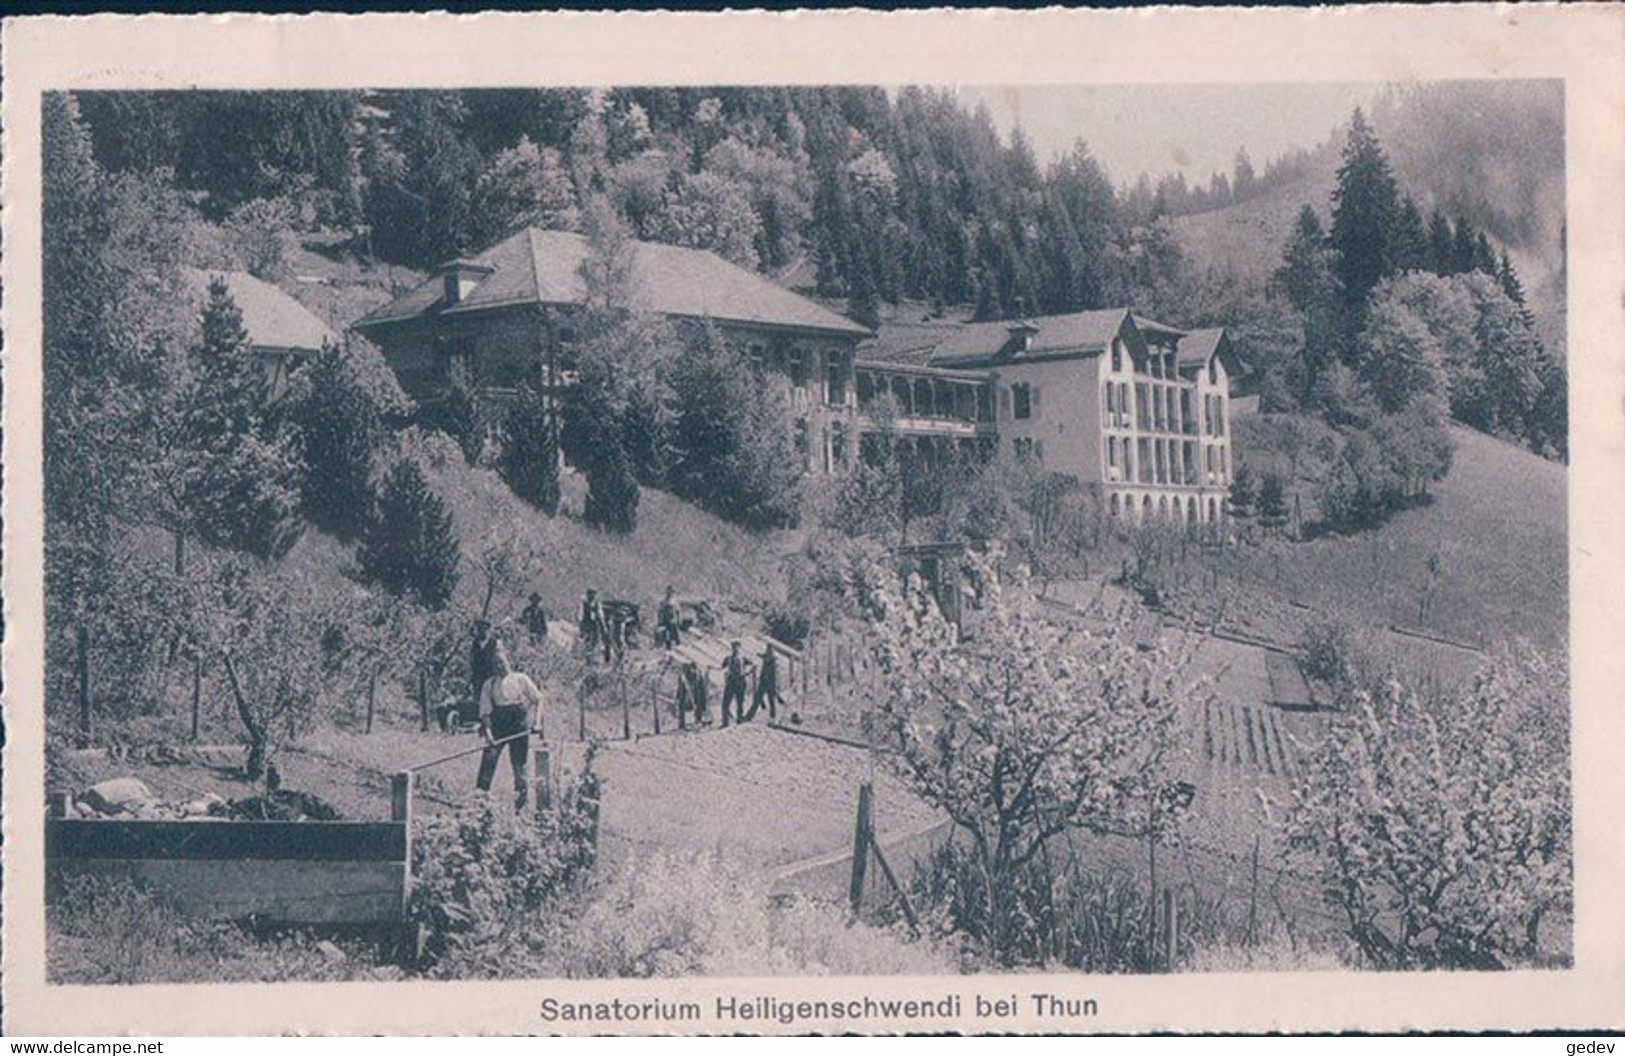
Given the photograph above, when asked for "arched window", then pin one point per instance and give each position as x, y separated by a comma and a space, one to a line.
1111, 455
1213, 511
1213, 371
1117, 354
1190, 510
1162, 507
1117, 505
1145, 509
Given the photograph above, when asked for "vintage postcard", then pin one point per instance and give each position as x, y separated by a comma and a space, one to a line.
820, 522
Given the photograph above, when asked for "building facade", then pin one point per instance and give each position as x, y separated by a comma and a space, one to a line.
282, 333
1138, 408
1135, 407
508, 316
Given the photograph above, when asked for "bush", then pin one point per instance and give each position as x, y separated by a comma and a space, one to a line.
489, 886
787, 626
673, 915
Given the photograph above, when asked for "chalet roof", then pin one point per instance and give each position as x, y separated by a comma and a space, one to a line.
1199, 346
907, 343
271, 318
1150, 326
982, 343
533, 266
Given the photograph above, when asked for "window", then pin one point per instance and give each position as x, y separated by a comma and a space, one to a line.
1117, 504
1111, 404
1213, 371
798, 367
1111, 457
1117, 354
1021, 397
837, 445
758, 357
835, 382
1218, 416
1142, 412
1123, 417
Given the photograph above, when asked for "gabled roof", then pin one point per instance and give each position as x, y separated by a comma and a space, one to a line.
987, 343
271, 318
1199, 346
533, 266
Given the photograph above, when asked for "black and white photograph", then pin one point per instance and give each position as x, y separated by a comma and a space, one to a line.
642, 532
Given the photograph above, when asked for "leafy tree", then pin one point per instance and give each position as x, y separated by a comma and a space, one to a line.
411, 547
612, 492
530, 451
342, 403
1441, 832
1243, 493
1365, 209
242, 474
1033, 728
1401, 357
524, 185
710, 211
732, 435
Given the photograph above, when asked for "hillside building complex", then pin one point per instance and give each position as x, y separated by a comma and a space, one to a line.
1135, 407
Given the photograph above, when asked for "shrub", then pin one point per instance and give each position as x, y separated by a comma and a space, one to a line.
411, 546
488, 885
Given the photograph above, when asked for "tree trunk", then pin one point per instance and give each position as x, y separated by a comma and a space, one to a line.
258, 744
86, 719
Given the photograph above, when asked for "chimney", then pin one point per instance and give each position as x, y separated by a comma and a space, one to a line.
460, 278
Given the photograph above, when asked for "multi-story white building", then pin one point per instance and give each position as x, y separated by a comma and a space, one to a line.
1110, 397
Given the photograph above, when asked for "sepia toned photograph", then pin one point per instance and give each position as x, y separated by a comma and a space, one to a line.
563, 533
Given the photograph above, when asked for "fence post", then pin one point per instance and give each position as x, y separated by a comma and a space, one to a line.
423, 702
542, 759
372, 694
581, 695
1252, 899
654, 700
60, 804
860, 845
626, 709
400, 809
1170, 929
197, 698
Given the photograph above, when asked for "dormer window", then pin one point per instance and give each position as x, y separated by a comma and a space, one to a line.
460, 277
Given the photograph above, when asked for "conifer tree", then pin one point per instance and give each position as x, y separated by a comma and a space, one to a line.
242, 473
1410, 250
1508, 278
1441, 245
411, 547
1308, 277
1365, 207
530, 452
341, 402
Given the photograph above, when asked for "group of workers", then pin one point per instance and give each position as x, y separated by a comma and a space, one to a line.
508, 703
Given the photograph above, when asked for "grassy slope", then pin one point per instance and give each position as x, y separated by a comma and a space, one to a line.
675, 543
1499, 523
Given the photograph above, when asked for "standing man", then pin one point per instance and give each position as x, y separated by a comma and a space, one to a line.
735, 680
666, 626
510, 707
594, 635
535, 618
767, 686
480, 661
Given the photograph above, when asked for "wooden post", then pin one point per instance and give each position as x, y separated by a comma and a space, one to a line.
60, 804
86, 720
1170, 929
581, 695
542, 760
626, 709
400, 809
860, 845
1151, 924
1252, 899
372, 694
423, 702
197, 698
654, 701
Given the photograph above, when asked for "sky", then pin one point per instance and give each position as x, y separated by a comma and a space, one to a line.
1163, 128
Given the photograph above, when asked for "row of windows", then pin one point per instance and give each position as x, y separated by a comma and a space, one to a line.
1161, 408
1160, 364
1164, 461
1189, 509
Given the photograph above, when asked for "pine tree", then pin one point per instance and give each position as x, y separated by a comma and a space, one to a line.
341, 406
411, 547
242, 471
1308, 277
1508, 278
530, 452
612, 491
1243, 493
1410, 250
1272, 508
1441, 245
1464, 253
1484, 255
1365, 207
